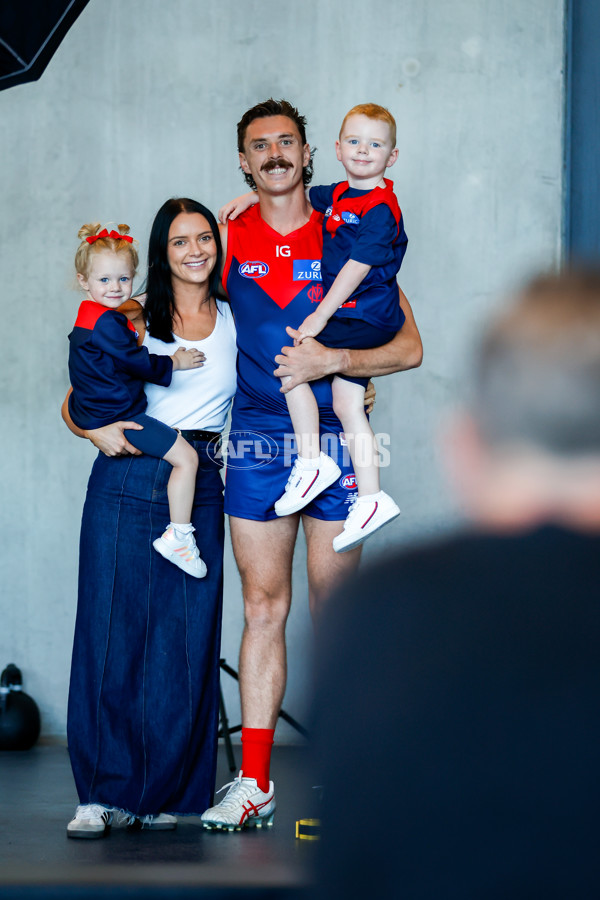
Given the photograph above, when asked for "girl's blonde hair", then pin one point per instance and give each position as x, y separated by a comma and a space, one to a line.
116, 244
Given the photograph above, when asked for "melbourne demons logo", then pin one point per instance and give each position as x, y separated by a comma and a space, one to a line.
348, 482
315, 293
253, 269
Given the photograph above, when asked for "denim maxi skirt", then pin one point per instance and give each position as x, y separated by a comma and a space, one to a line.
144, 693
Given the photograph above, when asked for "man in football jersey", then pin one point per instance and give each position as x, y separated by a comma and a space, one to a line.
272, 252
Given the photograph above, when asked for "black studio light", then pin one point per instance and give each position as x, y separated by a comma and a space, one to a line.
30, 33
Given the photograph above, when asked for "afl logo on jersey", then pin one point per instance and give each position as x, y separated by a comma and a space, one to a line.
348, 482
315, 293
253, 269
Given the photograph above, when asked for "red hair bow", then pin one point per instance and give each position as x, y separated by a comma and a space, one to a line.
113, 234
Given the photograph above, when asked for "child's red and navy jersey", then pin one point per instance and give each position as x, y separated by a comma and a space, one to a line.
108, 369
272, 280
365, 226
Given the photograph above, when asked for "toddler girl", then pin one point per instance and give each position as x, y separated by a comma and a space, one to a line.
108, 370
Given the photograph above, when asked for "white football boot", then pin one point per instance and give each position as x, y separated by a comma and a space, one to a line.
243, 806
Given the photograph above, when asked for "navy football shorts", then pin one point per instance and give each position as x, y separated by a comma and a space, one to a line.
260, 454
155, 440
342, 331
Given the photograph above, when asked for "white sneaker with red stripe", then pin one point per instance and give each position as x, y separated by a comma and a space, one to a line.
367, 515
181, 549
307, 479
243, 806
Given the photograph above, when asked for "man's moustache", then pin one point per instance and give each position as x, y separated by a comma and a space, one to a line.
276, 164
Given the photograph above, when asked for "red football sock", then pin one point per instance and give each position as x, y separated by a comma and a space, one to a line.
256, 754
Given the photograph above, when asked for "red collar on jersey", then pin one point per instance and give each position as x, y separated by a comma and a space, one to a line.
89, 313
361, 205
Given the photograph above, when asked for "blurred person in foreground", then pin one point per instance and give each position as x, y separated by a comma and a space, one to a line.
457, 728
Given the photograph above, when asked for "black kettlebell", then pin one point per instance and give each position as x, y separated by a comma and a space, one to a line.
19, 714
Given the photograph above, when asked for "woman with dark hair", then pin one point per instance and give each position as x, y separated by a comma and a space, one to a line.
143, 700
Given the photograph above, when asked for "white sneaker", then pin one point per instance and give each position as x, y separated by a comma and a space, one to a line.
122, 819
367, 515
90, 821
307, 479
160, 822
244, 806
182, 550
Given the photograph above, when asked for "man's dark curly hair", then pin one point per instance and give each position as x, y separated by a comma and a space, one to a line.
273, 107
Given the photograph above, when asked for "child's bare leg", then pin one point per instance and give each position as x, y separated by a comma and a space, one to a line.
348, 405
373, 508
182, 481
313, 471
304, 414
177, 544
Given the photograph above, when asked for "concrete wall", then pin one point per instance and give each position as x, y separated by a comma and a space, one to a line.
139, 104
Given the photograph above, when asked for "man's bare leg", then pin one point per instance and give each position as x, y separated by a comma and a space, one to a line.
326, 568
263, 553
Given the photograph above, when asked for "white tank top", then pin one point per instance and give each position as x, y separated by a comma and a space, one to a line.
198, 398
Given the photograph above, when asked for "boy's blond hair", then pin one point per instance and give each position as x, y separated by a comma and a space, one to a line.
373, 111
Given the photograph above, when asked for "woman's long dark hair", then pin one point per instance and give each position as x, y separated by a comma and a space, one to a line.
159, 308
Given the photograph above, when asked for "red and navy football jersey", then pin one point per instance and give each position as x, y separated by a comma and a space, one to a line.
108, 369
365, 226
272, 280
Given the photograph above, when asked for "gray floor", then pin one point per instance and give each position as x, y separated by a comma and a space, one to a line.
37, 799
